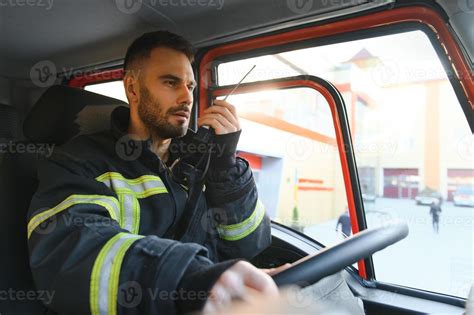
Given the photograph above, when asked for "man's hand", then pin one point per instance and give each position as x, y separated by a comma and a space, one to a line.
241, 281
222, 117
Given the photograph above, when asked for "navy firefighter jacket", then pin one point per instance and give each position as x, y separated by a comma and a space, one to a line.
114, 230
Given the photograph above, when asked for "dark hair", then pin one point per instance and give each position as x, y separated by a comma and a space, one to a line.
143, 45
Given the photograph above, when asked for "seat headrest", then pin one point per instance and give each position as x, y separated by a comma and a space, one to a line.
9, 123
63, 112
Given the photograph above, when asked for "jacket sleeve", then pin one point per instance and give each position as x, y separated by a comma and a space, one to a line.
231, 192
83, 256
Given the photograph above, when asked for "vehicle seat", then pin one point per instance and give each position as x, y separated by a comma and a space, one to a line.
60, 114
9, 123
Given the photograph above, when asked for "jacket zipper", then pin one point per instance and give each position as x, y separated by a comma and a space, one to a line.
167, 175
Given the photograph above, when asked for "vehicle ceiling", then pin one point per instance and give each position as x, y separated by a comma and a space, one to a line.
74, 34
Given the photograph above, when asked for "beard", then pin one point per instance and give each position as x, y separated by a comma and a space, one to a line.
155, 120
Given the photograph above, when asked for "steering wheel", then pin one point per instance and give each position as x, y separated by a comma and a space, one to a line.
332, 259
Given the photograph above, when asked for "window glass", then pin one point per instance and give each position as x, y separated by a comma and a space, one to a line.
112, 89
291, 135
413, 148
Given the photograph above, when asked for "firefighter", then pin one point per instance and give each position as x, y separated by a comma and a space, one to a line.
136, 221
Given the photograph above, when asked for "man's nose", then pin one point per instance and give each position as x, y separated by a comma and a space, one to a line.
185, 96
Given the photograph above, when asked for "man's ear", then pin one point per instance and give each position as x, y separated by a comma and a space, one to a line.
132, 88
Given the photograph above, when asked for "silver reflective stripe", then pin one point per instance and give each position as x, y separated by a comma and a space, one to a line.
240, 230
127, 216
106, 273
142, 186
109, 203
128, 190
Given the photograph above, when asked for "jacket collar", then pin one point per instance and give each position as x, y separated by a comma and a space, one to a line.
119, 124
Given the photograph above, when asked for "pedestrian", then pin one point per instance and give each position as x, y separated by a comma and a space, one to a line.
435, 210
345, 222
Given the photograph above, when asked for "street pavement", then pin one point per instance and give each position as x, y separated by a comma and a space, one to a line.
439, 262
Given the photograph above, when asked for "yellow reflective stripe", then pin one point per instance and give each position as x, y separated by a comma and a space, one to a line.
240, 230
136, 216
109, 203
131, 181
104, 282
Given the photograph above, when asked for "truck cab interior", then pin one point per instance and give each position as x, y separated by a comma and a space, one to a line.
52, 51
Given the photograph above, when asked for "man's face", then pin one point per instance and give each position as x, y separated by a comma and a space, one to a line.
166, 93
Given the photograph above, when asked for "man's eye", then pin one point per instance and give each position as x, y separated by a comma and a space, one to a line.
170, 83
191, 87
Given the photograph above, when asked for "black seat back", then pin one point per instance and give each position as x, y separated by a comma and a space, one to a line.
9, 123
60, 114
17, 184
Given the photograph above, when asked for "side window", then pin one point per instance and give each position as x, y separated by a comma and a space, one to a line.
112, 89
299, 177
413, 148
